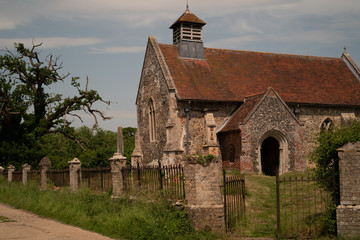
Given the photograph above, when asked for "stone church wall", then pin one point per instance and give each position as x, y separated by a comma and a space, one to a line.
197, 123
153, 87
313, 117
271, 117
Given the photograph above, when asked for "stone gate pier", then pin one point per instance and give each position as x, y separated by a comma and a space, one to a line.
203, 195
348, 212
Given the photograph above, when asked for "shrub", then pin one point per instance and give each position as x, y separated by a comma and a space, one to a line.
326, 160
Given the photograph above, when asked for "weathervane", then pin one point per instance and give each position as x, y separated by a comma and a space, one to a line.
187, 5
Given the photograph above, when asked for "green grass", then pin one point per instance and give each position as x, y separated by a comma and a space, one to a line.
260, 204
125, 218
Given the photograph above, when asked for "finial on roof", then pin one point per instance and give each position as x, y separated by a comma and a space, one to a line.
187, 6
345, 49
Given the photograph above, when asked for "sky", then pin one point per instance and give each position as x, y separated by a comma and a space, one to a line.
105, 40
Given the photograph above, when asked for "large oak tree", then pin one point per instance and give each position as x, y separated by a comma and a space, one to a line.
28, 109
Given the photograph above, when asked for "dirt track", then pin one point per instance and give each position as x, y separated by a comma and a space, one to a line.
24, 225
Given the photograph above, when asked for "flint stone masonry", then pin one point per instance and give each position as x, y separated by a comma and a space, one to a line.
348, 212
152, 87
272, 118
296, 133
314, 116
75, 174
25, 169
203, 195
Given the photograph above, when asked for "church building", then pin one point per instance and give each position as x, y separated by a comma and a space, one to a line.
259, 112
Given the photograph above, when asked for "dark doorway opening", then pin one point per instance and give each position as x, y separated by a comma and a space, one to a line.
270, 156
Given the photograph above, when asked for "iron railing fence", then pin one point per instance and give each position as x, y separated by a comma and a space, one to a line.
168, 180
17, 176
97, 179
5, 174
33, 175
233, 191
59, 177
301, 206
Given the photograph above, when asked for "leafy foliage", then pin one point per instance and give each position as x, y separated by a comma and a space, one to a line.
203, 160
28, 111
326, 158
327, 163
129, 142
94, 150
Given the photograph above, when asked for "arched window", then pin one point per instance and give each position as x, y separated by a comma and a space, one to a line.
152, 122
327, 125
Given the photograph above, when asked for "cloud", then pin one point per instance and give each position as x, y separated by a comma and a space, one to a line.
116, 50
144, 13
50, 42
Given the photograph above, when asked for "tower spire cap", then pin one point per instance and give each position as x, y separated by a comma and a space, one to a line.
189, 17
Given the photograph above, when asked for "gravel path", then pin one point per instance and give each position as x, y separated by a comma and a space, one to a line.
20, 224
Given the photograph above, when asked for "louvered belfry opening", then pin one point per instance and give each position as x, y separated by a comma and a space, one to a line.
187, 35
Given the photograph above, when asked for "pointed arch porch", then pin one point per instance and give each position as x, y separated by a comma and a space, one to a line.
284, 152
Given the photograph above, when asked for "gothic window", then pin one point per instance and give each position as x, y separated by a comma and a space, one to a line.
152, 121
232, 153
327, 125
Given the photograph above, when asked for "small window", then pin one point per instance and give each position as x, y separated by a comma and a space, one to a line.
152, 121
327, 125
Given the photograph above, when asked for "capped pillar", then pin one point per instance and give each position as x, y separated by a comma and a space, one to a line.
117, 162
44, 166
75, 174
10, 170
25, 169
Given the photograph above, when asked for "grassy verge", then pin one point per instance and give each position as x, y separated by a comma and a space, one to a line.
121, 218
260, 202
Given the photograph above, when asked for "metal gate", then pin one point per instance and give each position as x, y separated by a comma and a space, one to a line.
301, 205
234, 199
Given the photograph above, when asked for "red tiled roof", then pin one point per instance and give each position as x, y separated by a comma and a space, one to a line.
188, 16
230, 75
240, 114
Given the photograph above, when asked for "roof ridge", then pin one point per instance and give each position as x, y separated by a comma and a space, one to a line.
269, 53
272, 53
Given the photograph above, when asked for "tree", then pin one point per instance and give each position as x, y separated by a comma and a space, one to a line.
99, 147
28, 111
326, 160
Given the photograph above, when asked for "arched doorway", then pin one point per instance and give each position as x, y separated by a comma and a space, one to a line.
270, 156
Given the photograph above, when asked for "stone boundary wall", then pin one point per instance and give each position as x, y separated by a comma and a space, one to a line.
348, 212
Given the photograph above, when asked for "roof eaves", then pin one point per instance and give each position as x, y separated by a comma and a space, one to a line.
228, 119
164, 68
188, 16
142, 70
351, 64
